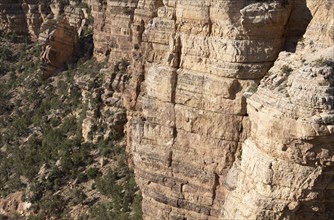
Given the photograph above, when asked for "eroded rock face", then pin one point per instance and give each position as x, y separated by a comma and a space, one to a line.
60, 41
112, 28
23, 16
193, 65
286, 167
106, 117
12, 16
201, 57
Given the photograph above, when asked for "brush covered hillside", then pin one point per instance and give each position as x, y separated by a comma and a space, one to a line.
47, 169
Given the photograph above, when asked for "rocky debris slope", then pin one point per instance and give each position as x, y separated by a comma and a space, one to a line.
286, 167
47, 171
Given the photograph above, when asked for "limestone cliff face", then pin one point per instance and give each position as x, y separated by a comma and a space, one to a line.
23, 17
221, 124
286, 167
60, 41
112, 28
201, 57
193, 65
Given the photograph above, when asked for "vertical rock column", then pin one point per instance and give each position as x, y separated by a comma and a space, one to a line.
286, 167
189, 119
35, 13
60, 42
112, 29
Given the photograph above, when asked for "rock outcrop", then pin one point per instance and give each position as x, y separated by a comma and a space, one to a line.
286, 167
57, 25
105, 114
112, 28
60, 41
193, 65
230, 104
23, 17
12, 16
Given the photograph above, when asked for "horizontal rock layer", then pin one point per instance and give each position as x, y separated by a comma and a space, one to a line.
193, 65
286, 168
205, 140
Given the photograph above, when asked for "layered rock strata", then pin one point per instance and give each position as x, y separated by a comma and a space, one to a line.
286, 167
112, 28
60, 41
201, 57
193, 65
12, 16
23, 17
205, 141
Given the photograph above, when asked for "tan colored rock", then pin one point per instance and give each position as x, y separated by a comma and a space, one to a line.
36, 13
112, 29
198, 59
287, 162
193, 63
23, 16
59, 41
13, 204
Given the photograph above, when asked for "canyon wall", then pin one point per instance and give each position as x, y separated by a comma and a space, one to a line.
56, 24
193, 65
286, 167
230, 104
200, 57
23, 17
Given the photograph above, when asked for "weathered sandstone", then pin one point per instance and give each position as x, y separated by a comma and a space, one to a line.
198, 59
286, 167
193, 63
60, 41
230, 104
23, 17
112, 28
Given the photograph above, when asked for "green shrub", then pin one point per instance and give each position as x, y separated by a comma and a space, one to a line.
81, 178
37, 217
323, 62
5, 53
77, 196
3, 217
93, 172
106, 184
286, 69
52, 206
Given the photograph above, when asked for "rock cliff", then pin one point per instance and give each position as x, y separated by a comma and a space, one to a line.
229, 104
286, 167
193, 65
60, 41
23, 17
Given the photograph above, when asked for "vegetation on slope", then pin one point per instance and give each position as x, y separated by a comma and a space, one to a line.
42, 153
